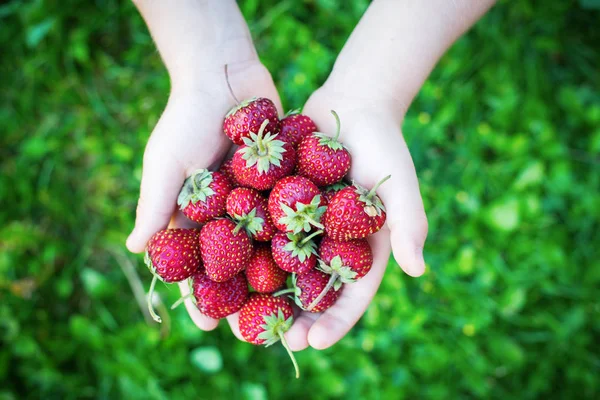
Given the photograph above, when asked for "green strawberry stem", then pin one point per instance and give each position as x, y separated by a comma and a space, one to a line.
338, 125
181, 300
287, 347
312, 235
150, 294
314, 223
284, 291
372, 191
262, 151
237, 102
326, 289
237, 228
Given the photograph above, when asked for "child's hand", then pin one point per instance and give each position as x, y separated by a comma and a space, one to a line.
189, 136
372, 134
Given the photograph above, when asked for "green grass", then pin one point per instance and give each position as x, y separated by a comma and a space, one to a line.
506, 139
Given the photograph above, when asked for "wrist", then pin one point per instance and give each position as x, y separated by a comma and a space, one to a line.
358, 90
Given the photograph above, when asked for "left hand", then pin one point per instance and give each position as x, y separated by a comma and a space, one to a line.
371, 131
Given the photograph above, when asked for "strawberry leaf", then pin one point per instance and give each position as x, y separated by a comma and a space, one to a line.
196, 188
263, 150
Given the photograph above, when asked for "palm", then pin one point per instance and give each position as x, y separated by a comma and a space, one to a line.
378, 149
187, 137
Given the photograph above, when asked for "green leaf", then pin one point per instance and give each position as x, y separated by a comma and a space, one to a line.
532, 175
38, 32
96, 284
504, 216
207, 359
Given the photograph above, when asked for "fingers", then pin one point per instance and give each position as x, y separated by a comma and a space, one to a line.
405, 213
202, 321
335, 322
161, 182
297, 336
234, 323
378, 150
261, 85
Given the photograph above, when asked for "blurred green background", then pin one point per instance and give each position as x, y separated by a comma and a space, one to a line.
506, 139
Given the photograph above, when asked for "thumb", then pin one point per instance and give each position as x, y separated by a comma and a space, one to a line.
375, 157
161, 182
405, 212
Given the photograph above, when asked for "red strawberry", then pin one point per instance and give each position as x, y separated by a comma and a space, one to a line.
331, 190
264, 319
308, 287
248, 116
323, 159
249, 208
172, 255
294, 253
354, 213
343, 262
203, 195
227, 170
219, 299
294, 127
351, 260
295, 204
225, 251
262, 273
263, 160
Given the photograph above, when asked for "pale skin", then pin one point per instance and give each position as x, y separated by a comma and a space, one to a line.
375, 78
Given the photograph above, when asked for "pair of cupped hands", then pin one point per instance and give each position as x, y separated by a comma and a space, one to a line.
189, 136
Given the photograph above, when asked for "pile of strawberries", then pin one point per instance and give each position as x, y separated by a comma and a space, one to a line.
278, 209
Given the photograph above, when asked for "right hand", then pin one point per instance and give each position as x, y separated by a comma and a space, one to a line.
189, 136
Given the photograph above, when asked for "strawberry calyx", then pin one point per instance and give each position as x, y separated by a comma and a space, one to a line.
295, 111
190, 295
273, 329
196, 187
263, 150
344, 273
250, 222
373, 204
296, 291
328, 141
240, 105
302, 246
340, 274
304, 216
335, 187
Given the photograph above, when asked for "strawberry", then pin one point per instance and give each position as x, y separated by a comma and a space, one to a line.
294, 127
262, 273
328, 191
295, 204
295, 253
249, 208
308, 287
172, 255
203, 195
351, 260
263, 160
323, 159
354, 213
227, 170
248, 116
344, 262
225, 251
219, 299
264, 319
